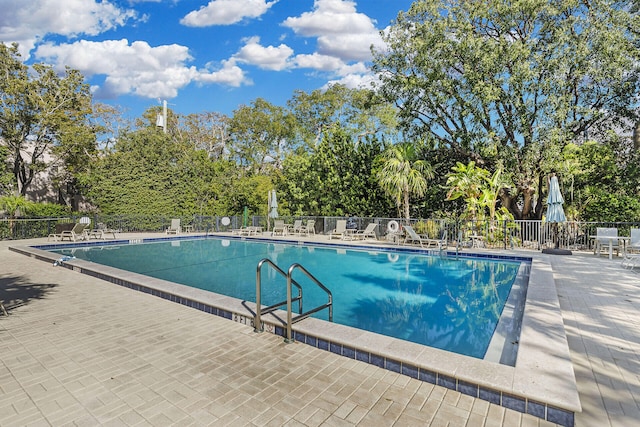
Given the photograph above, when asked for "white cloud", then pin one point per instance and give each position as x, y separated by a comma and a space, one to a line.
349, 47
229, 74
226, 12
136, 68
28, 22
317, 61
353, 81
268, 58
341, 31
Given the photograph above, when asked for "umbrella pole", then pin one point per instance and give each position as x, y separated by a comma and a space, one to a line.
268, 208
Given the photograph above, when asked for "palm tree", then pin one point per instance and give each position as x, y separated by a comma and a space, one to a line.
403, 174
13, 206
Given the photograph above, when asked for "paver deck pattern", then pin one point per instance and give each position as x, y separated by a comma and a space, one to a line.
76, 350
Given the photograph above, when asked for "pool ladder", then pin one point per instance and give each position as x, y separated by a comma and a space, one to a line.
257, 321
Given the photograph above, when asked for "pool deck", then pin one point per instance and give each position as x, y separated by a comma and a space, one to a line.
77, 352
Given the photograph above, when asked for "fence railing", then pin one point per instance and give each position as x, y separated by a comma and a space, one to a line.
527, 234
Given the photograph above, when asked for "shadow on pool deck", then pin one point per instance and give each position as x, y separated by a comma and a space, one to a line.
168, 369
16, 291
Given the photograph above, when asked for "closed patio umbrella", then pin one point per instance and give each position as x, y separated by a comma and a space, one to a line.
273, 212
272, 204
555, 211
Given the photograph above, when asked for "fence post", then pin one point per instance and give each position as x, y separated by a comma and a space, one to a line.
504, 228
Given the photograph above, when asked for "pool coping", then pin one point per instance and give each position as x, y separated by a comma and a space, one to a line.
542, 382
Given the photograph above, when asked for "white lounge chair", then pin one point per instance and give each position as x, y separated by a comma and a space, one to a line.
102, 231
175, 226
78, 232
369, 231
632, 250
413, 237
279, 227
308, 228
340, 230
440, 242
297, 225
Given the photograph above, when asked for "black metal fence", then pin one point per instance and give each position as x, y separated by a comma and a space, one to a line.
531, 234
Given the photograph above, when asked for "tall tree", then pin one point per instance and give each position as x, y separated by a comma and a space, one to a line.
358, 112
206, 131
512, 80
261, 134
42, 113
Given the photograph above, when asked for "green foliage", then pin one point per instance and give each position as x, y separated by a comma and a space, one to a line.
428, 228
15, 206
150, 173
467, 182
404, 174
358, 112
49, 210
336, 179
604, 206
146, 174
602, 182
7, 179
43, 113
260, 134
512, 82
343, 167
480, 191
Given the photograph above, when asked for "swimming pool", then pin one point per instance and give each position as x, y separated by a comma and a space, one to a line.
538, 379
443, 302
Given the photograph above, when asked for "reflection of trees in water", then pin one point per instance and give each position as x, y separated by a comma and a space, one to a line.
460, 317
399, 311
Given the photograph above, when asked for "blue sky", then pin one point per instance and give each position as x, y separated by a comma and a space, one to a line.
201, 55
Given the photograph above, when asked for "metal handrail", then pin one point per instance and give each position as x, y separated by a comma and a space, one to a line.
290, 319
257, 321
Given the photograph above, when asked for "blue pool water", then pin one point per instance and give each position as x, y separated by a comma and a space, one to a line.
442, 302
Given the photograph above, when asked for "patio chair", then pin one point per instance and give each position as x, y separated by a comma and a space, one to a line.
102, 231
413, 237
297, 225
605, 237
340, 230
369, 231
175, 226
440, 242
308, 228
78, 232
239, 231
279, 227
632, 250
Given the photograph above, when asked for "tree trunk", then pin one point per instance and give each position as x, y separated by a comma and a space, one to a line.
528, 210
407, 213
538, 211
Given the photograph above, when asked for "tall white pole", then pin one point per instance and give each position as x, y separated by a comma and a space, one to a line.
164, 115
268, 209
